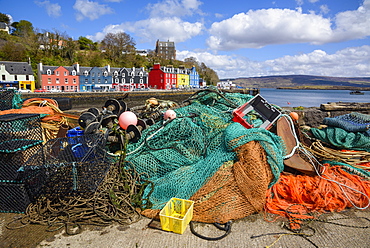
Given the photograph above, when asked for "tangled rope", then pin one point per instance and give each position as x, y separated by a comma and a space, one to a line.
118, 199
351, 157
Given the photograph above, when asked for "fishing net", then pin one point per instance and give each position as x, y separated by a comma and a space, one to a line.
73, 166
10, 99
352, 122
299, 197
341, 138
181, 155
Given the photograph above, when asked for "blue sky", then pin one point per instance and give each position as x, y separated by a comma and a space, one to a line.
243, 38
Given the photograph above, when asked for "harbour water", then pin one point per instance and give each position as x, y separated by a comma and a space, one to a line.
310, 98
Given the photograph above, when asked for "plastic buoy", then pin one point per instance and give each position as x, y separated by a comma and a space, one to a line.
294, 115
127, 118
169, 114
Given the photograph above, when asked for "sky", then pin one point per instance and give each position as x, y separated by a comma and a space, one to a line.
235, 38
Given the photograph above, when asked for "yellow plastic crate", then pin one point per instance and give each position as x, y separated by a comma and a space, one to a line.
176, 215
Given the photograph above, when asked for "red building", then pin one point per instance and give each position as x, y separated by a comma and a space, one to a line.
59, 78
164, 78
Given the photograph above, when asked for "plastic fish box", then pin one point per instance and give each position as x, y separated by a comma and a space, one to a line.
176, 215
13, 197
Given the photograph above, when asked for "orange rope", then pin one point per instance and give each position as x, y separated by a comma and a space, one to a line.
299, 197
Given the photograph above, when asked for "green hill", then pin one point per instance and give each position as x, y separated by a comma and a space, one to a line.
303, 82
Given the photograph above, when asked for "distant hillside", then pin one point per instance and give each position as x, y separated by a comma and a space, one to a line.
302, 81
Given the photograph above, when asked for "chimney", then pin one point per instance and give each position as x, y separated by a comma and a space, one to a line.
108, 68
40, 67
77, 68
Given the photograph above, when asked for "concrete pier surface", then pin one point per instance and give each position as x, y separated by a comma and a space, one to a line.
252, 231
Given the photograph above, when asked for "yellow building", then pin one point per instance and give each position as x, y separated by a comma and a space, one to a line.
183, 79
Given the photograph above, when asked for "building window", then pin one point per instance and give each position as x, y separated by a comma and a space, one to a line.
16, 77
74, 81
27, 77
66, 80
67, 87
93, 74
86, 81
73, 73
86, 73
57, 73
65, 73
3, 77
48, 72
57, 81
49, 80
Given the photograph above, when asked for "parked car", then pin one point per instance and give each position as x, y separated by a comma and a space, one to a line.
40, 91
24, 91
54, 91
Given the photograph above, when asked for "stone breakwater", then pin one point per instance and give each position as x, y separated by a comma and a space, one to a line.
97, 99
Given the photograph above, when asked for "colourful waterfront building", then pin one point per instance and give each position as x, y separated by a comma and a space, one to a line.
164, 78
182, 78
58, 78
16, 74
130, 79
193, 77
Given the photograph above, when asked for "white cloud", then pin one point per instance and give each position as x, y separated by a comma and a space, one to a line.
108, 29
172, 8
353, 24
53, 9
91, 10
324, 9
348, 62
258, 28
173, 29
351, 62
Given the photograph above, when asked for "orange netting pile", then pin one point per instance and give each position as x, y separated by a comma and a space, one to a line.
297, 197
235, 191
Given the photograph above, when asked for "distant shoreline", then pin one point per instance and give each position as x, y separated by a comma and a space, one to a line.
324, 87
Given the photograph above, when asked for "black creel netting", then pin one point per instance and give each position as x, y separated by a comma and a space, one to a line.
73, 166
19, 131
11, 162
13, 197
10, 99
20, 138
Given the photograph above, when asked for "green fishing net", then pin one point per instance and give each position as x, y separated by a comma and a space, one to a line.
342, 138
179, 156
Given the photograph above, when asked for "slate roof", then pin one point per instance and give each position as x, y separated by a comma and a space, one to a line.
17, 68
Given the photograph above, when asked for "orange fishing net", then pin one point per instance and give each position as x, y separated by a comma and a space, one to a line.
297, 197
235, 191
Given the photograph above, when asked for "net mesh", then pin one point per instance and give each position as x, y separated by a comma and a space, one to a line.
73, 166
352, 122
10, 99
181, 155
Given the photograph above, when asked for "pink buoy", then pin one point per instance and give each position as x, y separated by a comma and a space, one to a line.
169, 114
127, 118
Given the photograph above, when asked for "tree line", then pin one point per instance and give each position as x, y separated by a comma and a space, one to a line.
55, 48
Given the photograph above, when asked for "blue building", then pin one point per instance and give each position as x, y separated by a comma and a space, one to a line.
96, 78
193, 77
